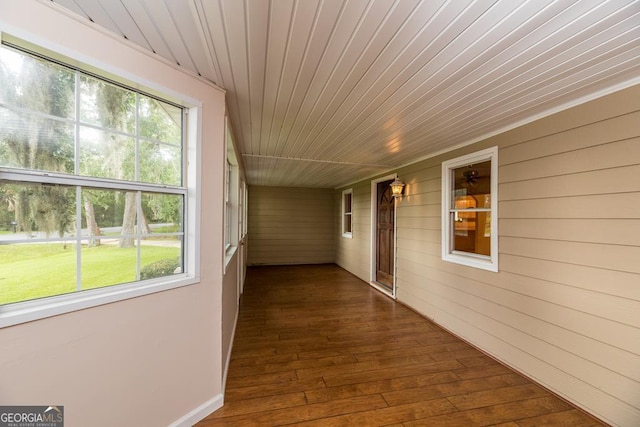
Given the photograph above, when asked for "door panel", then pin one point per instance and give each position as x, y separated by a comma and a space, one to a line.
385, 238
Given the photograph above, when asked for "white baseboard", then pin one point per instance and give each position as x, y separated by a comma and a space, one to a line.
200, 413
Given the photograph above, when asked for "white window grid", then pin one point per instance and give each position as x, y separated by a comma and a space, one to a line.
347, 213
75, 180
449, 212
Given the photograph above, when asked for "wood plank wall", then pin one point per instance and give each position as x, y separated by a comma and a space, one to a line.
351, 252
565, 306
291, 226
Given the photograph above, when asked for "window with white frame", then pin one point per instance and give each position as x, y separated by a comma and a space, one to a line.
470, 216
347, 213
245, 206
228, 204
242, 210
92, 182
231, 194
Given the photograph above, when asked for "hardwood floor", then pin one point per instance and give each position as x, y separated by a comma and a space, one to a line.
316, 346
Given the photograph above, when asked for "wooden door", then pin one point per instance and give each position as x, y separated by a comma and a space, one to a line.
385, 238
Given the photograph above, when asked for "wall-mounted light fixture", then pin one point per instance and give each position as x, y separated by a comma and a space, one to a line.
396, 187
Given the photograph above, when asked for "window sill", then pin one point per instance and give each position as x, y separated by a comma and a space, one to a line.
347, 235
14, 314
228, 256
477, 261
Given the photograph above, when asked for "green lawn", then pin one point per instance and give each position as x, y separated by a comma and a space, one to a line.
30, 271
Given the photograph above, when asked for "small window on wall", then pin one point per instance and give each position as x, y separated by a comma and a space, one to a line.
228, 217
347, 206
470, 215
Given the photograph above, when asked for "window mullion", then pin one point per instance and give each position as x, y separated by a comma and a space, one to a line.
76, 171
76, 126
138, 232
137, 139
34, 113
78, 239
19, 175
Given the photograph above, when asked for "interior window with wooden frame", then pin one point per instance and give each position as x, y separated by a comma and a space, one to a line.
470, 210
93, 188
347, 213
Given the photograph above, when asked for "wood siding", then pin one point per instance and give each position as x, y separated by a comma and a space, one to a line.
353, 253
565, 306
291, 226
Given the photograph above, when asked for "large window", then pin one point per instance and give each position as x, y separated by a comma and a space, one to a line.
469, 218
232, 220
92, 182
347, 213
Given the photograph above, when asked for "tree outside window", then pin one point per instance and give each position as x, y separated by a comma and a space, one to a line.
91, 181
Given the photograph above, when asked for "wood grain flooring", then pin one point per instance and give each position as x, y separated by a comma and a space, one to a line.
316, 346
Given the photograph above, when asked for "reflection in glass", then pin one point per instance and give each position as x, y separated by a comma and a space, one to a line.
470, 210
34, 84
106, 155
159, 121
106, 105
472, 232
118, 134
30, 141
162, 212
160, 163
37, 211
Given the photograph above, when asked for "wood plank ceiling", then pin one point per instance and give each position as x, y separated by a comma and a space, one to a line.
322, 93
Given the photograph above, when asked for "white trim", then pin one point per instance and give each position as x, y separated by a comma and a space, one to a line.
395, 245
374, 222
193, 156
448, 254
19, 32
200, 413
26, 311
21, 312
382, 289
36, 176
347, 234
229, 252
